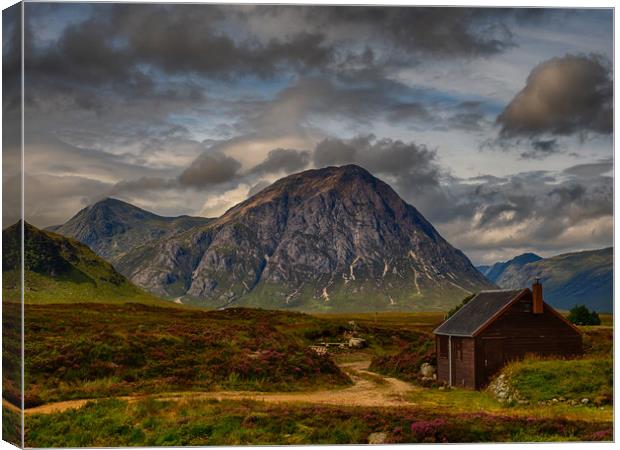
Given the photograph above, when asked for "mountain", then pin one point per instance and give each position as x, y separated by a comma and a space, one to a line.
334, 239
569, 279
62, 270
111, 227
495, 272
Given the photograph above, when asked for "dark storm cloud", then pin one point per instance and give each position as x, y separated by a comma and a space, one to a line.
112, 45
409, 168
562, 96
437, 31
535, 210
382, 156
11, 59
334, 152
210, 169
222, 41
282, 160
186, 38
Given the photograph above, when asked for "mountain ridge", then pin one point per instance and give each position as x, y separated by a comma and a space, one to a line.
495, 271
111, 226
569, 279
335, 238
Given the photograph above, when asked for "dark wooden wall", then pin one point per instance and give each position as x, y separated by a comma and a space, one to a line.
511, 336
463, 361
518, 332
442, 359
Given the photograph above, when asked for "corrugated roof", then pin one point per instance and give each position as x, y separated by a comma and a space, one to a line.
477, 312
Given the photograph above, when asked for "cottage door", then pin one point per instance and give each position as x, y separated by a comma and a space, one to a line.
493, 356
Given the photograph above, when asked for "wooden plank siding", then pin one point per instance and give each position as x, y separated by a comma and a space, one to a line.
463, 361
441, 343
523, 332
509, 336
463, 366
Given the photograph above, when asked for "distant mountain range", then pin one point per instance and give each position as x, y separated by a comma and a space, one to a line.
495, 272
334, 239
62, 270
112, 227
569, 279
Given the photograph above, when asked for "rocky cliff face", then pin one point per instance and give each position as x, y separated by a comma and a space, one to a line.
112, 227
329, 239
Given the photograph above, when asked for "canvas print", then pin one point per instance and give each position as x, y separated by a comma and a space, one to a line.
297, 224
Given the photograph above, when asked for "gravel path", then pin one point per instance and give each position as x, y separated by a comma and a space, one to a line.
369, 389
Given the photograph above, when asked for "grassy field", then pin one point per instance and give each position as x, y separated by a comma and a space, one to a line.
541, 380
97, 350
153, 423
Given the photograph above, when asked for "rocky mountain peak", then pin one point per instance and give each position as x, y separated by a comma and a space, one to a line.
335, 238
112, 227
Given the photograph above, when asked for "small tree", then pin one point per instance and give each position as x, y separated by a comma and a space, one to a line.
581, 315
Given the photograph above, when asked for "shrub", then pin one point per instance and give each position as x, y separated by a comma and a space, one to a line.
581, 315
406, 363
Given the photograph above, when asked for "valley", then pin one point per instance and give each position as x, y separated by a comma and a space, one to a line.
302, 315
153, 368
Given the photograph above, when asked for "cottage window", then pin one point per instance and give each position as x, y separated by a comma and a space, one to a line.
443, 346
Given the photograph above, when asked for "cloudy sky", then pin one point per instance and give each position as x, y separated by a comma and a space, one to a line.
495, 123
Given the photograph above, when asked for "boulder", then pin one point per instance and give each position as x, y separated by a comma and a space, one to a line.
427, 370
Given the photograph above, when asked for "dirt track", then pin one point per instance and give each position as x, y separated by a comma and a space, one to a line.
369, 389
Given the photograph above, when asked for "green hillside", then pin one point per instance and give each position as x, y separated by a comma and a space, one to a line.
62, 270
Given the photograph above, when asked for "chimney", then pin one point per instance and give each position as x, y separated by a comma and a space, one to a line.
537, 297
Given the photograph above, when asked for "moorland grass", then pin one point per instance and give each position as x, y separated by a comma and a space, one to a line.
154, 423
11, 426
540, 380
102, 350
